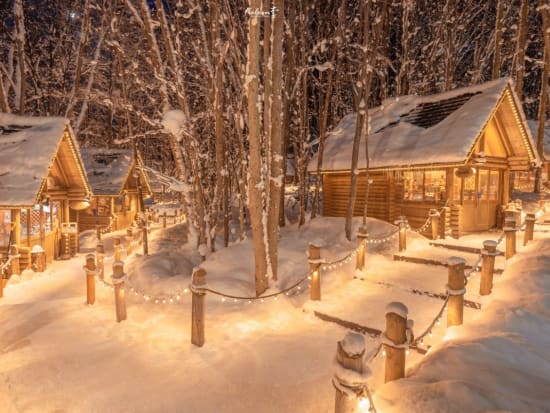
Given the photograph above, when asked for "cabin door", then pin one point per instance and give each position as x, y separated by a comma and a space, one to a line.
480, 199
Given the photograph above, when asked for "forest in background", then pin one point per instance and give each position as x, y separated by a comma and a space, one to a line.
243, 92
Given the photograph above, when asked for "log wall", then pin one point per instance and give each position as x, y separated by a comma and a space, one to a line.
382, 193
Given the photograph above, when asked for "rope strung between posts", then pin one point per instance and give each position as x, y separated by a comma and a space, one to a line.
329, 265
475, 269
7, 264
286, 291
428, 221
436, 321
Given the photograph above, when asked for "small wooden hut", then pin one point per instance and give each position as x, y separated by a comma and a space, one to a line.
453, 151
41, 178
113, 179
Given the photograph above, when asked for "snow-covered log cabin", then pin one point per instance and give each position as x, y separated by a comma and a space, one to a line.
525, 181
41, 179
113, 179
453, 151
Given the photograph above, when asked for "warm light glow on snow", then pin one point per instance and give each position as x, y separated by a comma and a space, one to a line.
364, 405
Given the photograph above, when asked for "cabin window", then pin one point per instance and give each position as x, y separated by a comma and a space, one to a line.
424, 185
100, 206
470, 188
483, 182
5, 226
493, 186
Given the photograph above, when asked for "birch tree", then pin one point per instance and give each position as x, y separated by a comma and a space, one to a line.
519, 57
256, 184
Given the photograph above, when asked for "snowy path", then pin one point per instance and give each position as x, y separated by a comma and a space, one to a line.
59, 355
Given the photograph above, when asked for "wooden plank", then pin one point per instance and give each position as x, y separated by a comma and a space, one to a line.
462, 248
429, 261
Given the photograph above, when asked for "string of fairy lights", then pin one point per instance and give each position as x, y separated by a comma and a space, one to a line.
294, 289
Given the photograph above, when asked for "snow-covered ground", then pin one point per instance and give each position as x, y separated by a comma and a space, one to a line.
58, 354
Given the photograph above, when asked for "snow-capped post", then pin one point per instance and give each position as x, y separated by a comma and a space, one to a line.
510, 230
456, 291
120, 295
129, 241
488, 253
362, 237
90, 279
197, 306
117, 249
529, 228
395, 341
100, 254
402, 223
314, 258
434, 218
350, 373
164, 220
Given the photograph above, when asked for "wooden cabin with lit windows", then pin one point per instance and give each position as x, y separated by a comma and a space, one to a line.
113, 178
42, 179
453, 152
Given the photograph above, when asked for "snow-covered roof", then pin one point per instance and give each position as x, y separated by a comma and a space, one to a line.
534, 125
418, 130
28, 146
107, 169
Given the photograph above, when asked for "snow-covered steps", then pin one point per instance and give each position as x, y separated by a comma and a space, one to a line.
429, 261
462, 248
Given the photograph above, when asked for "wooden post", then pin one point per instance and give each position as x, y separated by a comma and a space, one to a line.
510, 231
15, 265
120, 294
402, 223
396, 337
117, 249
456, 290
100, 254
129, 241
16, 222
29, 224
197, 306
529, 228
488, 253
90, 279
444, 222
362, 237
349, 361
98, 232
434, 218
314, 258
164, 220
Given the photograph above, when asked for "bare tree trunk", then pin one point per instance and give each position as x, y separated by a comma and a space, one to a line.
362, 108
324, 114
20, 42
82, 42
275, 127
403, 75
4, 107
255, 169
241, 177
543, 99
498, 39
450, 58
519, 58
217, 86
